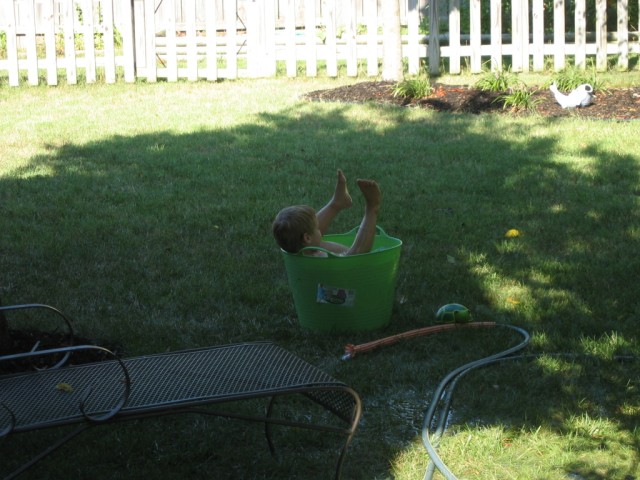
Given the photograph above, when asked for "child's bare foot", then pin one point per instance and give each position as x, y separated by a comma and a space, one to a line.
341, 198
371, 192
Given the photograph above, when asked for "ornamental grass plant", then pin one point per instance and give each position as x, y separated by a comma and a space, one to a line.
144, 211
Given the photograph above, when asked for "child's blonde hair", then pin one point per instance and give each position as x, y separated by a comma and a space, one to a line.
291, 224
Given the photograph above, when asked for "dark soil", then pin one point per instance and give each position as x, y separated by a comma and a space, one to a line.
614, 104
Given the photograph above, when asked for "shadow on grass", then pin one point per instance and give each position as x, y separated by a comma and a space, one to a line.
162, 241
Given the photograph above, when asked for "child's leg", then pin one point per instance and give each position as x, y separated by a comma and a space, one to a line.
341, 199
367, 231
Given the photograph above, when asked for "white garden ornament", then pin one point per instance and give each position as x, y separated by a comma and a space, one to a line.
580, 97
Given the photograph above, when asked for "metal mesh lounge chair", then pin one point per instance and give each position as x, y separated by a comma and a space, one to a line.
190, 381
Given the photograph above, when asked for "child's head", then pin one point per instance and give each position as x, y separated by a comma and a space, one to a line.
291, 225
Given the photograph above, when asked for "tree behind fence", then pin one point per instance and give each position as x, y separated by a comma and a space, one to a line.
196, 39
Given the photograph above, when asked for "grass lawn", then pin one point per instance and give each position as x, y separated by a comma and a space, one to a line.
144, 211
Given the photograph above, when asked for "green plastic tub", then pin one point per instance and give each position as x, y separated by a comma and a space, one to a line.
345, 293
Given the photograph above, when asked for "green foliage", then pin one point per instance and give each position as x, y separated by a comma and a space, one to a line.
413, 88
570, 77
3, 44
519, 98
497, 81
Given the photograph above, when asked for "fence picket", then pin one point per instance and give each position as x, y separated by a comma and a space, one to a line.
30, 38
581, 34
454, 37
50, 44
231, 37
371, 19
212, 40
290, 39
171, 60
71, 67
192, 41
413, 42
623, 34
269, 61
89, 42
12, 44
476, 30
351, 32
330, 45
310, 23
128, 42
537, 13
108, 41
195, 39
601, 34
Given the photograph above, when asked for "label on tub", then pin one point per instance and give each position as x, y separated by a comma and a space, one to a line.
335, 295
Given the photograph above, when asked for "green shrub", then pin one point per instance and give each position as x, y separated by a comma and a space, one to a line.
570, 77
413, 88
519, 98
500, 81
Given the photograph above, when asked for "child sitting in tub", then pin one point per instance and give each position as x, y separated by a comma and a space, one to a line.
300, 226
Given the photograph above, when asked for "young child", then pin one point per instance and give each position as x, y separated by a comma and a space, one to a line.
300, 226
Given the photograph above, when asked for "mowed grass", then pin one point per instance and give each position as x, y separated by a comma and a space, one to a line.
144, 212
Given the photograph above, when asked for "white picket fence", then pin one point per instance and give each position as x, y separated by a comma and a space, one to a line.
128, 39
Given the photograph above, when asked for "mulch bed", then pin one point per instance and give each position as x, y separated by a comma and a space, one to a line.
615, 104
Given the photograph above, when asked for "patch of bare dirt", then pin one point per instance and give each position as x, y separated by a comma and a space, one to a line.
614, 104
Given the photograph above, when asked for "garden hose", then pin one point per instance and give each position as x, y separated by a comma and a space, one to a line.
350, 350
450, 380
441, 393
453, 379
